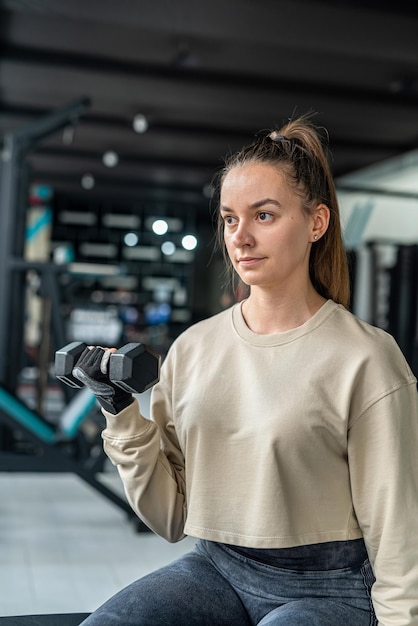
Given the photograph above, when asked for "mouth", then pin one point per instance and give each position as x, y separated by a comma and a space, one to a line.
249, 261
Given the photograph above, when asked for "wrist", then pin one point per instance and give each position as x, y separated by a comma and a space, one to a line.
115, 405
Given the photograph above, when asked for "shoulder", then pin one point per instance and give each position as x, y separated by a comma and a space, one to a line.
373, 346
196, 350
360, 331
205, 327
203, 334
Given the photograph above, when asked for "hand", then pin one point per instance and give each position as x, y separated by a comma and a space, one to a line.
92, 370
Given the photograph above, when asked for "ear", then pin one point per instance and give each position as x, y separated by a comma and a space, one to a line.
320, 221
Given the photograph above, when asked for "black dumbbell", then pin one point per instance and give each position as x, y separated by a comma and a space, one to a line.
134, 367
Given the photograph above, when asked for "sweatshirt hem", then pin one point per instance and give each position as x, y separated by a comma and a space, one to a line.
270, 541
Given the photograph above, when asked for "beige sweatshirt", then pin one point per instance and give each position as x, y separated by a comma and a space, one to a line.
270, 441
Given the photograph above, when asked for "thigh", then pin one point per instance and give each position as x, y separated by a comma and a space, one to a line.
316, 612
274, 595
188, 591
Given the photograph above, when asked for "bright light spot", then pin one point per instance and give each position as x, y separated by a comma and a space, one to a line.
110, 158
168, 248
140, 123
160, 227
189, 242
131, 239
87, 181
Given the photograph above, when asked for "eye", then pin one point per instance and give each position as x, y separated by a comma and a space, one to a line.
230, 220
263, 216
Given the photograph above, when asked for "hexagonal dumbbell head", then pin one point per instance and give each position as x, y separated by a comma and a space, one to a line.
65, 360
134, 367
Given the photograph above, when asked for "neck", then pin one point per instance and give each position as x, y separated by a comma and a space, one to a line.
267, 314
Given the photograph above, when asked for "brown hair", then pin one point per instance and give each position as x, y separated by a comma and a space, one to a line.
298, 150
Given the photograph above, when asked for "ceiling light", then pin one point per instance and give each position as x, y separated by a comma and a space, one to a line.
131, 239
110, 158
189, 242
160, 227
168, 248
87, 181
175, 225
140, 123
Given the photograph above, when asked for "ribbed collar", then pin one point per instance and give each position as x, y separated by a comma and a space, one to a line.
242, 330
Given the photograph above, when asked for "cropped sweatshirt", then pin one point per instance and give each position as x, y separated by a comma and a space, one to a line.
281, 440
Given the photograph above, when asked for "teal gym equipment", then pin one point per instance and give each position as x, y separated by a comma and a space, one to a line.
69, 425
52, 446
28, 441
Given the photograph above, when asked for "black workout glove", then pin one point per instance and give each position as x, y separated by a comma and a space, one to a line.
92, 370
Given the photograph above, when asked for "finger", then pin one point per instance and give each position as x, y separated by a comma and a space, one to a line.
104, 363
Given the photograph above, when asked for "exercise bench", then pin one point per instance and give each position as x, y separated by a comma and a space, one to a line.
63, 619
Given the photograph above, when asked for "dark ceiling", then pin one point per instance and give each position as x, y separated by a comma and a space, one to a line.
208, 75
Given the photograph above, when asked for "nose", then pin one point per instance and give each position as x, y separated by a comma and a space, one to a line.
242, 235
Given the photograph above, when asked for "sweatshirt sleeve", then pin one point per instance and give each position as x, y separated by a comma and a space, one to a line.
151, 466
383, 460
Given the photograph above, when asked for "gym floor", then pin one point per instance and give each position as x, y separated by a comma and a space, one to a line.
65, 548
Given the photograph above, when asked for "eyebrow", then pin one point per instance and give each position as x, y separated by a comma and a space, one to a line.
256, 205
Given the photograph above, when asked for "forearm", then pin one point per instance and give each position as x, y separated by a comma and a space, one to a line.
154, 485
384, 478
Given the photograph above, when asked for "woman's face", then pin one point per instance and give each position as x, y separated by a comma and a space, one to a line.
267, 234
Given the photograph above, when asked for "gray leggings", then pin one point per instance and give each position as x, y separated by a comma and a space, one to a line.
218, 585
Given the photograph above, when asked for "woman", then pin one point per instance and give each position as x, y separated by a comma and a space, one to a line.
284, 432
